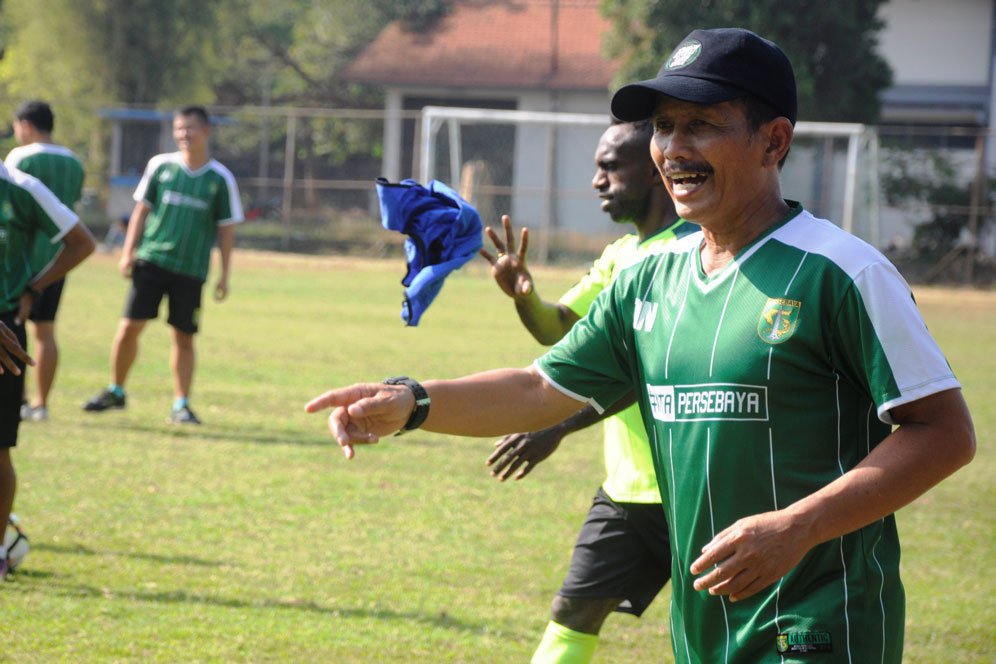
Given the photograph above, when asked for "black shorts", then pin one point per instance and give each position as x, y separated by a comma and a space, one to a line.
44, 307
148, 285
623, 550
11, 389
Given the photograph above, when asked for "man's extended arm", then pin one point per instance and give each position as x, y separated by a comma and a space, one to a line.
935, 437
485, 404
526, 450
546, 321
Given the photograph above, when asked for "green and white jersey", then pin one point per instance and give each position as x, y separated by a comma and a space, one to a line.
760, 385
631, 477
27, 209
187, 209
61, 171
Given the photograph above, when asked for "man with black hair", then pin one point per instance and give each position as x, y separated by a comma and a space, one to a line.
62, 172
792, 395
185, 202
621, 559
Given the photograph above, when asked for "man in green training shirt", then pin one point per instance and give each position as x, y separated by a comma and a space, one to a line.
184, 203
621, 559
772, 354
61, 171
27, 209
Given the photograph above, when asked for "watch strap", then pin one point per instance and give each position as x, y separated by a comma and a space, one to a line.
422, 401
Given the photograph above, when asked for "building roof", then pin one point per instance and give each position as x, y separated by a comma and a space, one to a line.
517, 44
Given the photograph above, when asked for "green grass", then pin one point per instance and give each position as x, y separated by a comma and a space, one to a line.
251, 539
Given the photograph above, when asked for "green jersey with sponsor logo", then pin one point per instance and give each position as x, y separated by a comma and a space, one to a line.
631, 477
187, 209
61, 171
760, 385
27, 209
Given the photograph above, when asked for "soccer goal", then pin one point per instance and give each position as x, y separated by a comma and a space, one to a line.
537, 167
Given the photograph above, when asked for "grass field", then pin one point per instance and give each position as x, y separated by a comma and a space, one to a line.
251, 539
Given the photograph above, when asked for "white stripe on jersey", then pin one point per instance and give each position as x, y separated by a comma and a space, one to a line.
843, 561
712, 529
908, 347
61, 216
560, 388
722, 317
15, 156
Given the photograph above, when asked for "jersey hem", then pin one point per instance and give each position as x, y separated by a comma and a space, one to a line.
563, 390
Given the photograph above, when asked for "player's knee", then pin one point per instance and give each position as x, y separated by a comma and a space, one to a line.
582, 614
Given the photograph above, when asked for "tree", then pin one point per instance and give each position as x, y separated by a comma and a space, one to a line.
833, 50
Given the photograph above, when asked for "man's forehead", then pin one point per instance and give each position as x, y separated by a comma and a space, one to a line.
666, 104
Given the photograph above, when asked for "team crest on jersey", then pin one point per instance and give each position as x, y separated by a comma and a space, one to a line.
685, 54
779, 320
165, 176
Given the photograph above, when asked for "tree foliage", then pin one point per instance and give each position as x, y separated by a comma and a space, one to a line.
832, 48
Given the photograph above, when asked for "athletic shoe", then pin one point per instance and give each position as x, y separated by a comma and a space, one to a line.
103, 401
35, 414
25, 411
183, 416
4, 569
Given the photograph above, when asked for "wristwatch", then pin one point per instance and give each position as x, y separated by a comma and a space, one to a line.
422, 401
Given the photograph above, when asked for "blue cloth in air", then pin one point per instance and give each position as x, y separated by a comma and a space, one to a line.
444, 232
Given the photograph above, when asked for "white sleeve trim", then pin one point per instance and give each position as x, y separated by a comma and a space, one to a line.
560, 388
933, 387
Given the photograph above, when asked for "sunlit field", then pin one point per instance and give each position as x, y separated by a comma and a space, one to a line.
251, 538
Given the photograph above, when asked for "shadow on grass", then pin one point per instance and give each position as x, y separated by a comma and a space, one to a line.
80, 550
207, 432
440, 620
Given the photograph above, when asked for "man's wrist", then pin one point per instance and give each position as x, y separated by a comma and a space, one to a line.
34, 292
422, 401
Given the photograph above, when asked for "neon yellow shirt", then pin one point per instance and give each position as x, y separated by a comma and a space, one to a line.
630, 467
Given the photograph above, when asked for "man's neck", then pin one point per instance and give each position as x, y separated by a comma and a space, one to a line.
660, 214
724, 241
194, 160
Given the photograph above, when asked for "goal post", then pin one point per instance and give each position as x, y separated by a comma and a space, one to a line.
537, 167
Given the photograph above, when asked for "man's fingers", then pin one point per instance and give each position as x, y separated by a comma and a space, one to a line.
524, 286
523, 244
488, 257
499, 245
512, 467
506, 222
329, 399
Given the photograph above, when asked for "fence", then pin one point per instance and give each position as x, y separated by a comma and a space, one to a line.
923, 194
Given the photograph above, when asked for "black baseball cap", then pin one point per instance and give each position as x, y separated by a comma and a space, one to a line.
711, 66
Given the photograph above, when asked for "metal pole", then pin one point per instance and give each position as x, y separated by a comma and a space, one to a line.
290, 149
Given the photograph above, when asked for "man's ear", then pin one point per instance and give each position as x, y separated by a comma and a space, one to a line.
779, 134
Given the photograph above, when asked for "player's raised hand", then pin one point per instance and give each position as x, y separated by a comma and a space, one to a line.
364, 412
522, 450
10, 346
508, 265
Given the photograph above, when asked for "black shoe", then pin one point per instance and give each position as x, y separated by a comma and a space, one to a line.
103, 401
183, 416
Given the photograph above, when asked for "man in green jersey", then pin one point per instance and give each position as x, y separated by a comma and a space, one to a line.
61, 171
184, 203
772, 354
27, 209
621, 559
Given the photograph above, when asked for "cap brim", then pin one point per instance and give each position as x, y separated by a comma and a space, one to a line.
637, 101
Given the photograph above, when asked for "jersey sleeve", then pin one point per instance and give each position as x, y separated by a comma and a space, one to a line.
229, 203
894, 357
581, 295
145, 192
594, 361
34, 202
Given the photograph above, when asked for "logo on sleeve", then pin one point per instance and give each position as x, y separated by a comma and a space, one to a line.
644, 315
803, 643
779, 320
